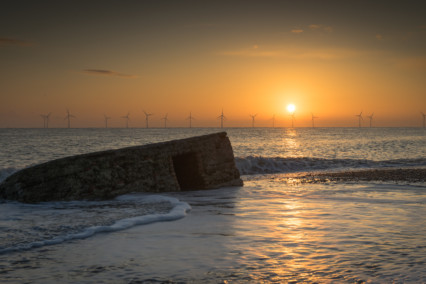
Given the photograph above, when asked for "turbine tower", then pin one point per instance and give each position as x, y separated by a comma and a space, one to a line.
147, 115
252, 119
313, 120
359, 118
222, 117
424, 119
68, 117
127, 118
273, 121
165, 120
46, 118
190, 117
370, 117
106, 120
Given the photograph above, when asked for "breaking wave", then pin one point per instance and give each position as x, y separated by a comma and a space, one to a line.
28, 226
253, 165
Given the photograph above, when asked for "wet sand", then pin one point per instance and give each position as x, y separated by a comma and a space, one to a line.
406, 175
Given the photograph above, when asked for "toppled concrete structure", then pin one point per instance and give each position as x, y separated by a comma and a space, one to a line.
202, 162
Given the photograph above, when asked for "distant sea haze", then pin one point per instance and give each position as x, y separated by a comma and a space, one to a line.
144, 119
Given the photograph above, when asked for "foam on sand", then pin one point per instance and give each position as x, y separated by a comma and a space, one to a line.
64, 230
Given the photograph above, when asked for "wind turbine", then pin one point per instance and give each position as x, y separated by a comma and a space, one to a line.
69, 116
165, 120
313, 120
127, 118
46, 118
424, 119
222, 117
147, 115
252, 119
190, 117
106, 120
359, 118
370, 117
273, 121
292, 120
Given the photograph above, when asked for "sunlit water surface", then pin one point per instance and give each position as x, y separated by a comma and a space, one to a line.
267, 231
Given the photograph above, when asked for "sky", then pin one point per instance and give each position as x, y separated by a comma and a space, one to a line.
332, 59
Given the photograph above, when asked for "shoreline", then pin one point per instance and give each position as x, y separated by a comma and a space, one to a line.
409, 175
398, 174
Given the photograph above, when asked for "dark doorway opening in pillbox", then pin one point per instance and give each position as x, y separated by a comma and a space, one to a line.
187, 171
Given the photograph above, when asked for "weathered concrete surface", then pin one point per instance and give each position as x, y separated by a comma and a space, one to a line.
201, 162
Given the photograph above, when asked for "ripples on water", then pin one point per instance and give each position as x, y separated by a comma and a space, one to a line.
24, 147
266, 231
333, 233
26, 226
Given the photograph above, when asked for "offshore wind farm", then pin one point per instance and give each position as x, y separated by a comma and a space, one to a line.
277, 121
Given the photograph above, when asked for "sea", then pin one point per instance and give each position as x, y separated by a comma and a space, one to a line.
271, 230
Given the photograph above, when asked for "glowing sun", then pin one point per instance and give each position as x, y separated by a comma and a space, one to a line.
291, 108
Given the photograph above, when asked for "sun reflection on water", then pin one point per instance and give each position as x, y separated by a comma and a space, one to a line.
295, 234
290, 142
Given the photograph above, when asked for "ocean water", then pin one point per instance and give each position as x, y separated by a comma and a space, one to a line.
268, 231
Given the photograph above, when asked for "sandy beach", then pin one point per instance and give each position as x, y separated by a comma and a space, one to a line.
407, 175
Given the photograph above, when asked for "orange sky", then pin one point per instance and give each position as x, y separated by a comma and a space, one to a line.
329, 58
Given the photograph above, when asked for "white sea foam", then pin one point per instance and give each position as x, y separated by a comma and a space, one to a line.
128, 202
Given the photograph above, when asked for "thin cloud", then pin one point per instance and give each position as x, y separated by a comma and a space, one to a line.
255, 51
316, 27
250, 53
101, 72
14, 42
296, 54
322, 54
